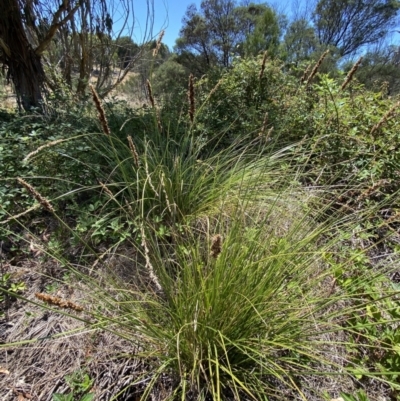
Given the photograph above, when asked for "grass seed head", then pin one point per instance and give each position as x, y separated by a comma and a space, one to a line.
158, 44
41, 199
62, 303
134, 152
191, 98
264, 60
316, 67
102, 115
106, 190
40, 148
385, 118
216, 245
351, 73
306, 71
150, 94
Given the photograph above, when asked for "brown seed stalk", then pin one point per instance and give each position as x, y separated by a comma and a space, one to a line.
351, 73
316, 67
106, 190
134, 152
42, 200
264, 125
52, 300
149, 266
40, 148
191, 98
158, 44
216, 245
385, 118
213, 90
150, 94
102, 115
153, 104
372, 189
264, 60
306, 71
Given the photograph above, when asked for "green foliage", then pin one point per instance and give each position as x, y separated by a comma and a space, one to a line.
80, 384
265, 34
221, 30
349, 25
9, 288
359, 396
170, 82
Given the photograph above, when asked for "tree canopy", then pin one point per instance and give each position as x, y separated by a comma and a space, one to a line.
352, 24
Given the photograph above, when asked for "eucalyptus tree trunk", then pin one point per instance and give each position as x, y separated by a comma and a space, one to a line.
23, 55
24, 64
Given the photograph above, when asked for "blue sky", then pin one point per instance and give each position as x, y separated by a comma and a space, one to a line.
168, 15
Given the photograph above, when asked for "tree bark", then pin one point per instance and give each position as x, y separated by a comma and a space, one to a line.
22, 59
24, 65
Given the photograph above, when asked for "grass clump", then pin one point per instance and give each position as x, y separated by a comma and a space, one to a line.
232, 281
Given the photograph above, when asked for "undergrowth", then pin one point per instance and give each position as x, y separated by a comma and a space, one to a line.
256, 265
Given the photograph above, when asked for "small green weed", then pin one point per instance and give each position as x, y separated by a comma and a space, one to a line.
80, 384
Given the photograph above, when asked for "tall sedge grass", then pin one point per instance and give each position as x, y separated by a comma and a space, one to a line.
239, 300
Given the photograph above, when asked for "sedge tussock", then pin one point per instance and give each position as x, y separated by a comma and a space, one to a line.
101, 113
133, 150
316, 67
351, 73
40, 148
41, 199
191, 99
56, 301
158, 44
385, 118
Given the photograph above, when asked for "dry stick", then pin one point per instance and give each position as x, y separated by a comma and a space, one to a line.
351, 73
385, 118
191, 98
316, 67
134, 152
100, 109
41, 199
264, 60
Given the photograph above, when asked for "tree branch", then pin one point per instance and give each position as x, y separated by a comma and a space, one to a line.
55, 25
